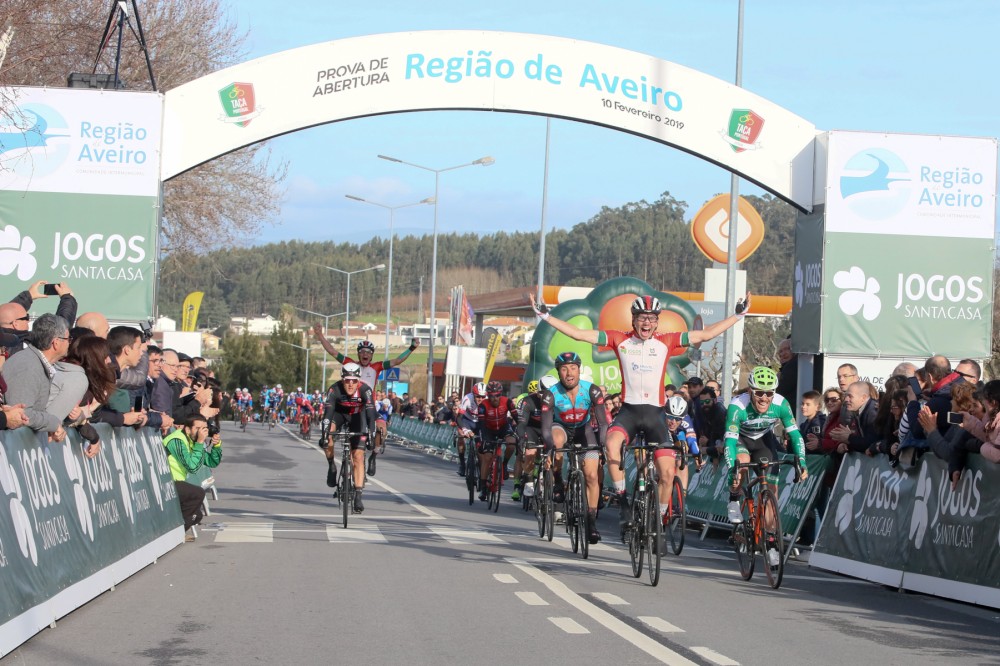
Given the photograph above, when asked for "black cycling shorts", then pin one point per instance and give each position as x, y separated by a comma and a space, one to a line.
491, 439
647, 418
352, 423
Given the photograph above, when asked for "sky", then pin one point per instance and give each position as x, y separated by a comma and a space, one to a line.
877, 65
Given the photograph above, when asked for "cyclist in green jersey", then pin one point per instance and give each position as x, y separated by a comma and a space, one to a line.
751, 416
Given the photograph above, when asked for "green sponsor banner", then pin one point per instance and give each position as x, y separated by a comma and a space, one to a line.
708, 492
807, 292
882, 299
103, 246
65, 518
912, 527
607, 307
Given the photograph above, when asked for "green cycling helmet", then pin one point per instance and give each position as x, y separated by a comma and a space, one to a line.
763, 378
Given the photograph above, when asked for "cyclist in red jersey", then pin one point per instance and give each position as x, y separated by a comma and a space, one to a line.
495, 423
369, 373
643, 355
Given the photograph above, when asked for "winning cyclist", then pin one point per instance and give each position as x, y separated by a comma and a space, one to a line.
350, 404
643, 357
493, 425
751, 416
566, 411
468, 418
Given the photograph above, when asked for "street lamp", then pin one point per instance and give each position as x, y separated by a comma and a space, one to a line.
482, 161
347, 307
307, 350
392, 210
326, 329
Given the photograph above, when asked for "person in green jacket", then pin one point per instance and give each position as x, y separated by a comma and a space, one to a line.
187, 451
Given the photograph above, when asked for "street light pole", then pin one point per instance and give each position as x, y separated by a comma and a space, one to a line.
347, 314
482, 161
388, 297
305, 385
326, 329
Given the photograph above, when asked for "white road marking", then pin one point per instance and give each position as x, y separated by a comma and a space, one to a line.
332, 517
246, 533
610, 599
531, 598
355, 534
565, 561
653, 648
563, 540
714, 657
464, 537
660, 624
504, 578
569, 625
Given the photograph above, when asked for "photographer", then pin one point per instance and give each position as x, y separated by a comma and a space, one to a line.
188, 448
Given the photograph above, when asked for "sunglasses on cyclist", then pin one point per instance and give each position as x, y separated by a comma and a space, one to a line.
674, 418
763, 394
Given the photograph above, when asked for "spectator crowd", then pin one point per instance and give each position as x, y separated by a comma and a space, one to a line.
65, 371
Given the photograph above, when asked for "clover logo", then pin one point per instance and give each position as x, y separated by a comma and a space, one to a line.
22, 523
860, 294
16, 253
852, 484
919, 520
75, 472
799, 284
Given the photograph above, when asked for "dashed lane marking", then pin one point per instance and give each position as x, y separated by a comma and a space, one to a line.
355, 534
610, 599
660, 624
531, 598
504, 578
464, 537
246, 533
714, 657
569, 625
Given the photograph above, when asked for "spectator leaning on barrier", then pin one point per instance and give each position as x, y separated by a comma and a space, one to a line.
813, 416
158, 395
125, 349
954, 444
987, 429
186, 453
29, 374
936, 392
87, 358
861, 435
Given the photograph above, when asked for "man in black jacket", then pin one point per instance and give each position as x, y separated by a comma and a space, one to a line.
861, 436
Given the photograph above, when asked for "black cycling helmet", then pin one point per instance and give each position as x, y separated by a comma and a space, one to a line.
494, 388
568, 358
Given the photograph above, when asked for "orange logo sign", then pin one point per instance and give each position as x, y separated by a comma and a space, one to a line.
710, 229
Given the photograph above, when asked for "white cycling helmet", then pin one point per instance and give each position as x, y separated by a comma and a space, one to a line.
479, 390
548, 381
352, 370
676, 406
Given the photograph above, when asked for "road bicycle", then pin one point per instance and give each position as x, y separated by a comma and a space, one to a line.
244, 414
494, 474
675, 518
543, 477
642, 534
305, 425
577, 508
471, 468
760, 531
345, 482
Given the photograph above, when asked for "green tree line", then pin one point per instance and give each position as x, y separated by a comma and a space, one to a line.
651, 241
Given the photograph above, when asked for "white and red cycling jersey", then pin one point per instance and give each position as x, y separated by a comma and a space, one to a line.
370, 372
643, 363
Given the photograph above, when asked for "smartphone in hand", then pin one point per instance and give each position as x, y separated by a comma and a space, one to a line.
137, 404
955, 418
49, 289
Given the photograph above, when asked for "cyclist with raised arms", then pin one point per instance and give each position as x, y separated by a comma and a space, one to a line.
468, 419
495, 423
350, 404
567, 408
750, 416
643, 357
369, 372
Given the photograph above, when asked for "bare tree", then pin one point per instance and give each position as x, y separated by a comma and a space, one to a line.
186, 40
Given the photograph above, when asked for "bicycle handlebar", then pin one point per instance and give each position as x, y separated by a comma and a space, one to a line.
765, 463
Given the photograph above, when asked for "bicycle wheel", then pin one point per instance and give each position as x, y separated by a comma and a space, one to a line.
579, 494
635, 536
743, 543
495, 482
654, 532
550, 505
541, 505
572, 517
676, 518
471, 471
346, 492
770, 522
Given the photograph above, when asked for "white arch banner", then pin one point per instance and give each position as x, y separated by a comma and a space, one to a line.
491, 71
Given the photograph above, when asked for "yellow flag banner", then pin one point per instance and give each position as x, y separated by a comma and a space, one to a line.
493, 339
189, 311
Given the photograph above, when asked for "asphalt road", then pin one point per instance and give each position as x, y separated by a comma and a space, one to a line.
423, 578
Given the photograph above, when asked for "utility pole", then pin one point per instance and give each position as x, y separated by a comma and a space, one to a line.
420, 301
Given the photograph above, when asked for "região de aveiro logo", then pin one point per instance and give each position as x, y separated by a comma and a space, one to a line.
875, 184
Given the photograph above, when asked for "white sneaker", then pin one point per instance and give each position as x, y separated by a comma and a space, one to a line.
529, 489
560, 519
773, 557
735, 515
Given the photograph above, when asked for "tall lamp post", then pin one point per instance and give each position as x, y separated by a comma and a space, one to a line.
347, 307
482, 161
326, 328
388, 297
305, 386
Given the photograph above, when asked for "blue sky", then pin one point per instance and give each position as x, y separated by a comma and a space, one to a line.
919, 66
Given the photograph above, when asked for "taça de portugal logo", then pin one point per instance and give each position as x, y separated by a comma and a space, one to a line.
744, 129
240, 104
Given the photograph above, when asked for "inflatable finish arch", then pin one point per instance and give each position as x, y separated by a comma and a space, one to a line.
491, 71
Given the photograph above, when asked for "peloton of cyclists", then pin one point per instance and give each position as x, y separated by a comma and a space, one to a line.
643, 358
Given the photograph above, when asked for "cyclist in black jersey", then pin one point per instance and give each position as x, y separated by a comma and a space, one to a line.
350, 404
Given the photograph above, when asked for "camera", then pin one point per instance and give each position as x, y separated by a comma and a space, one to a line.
213, 429
147, 330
